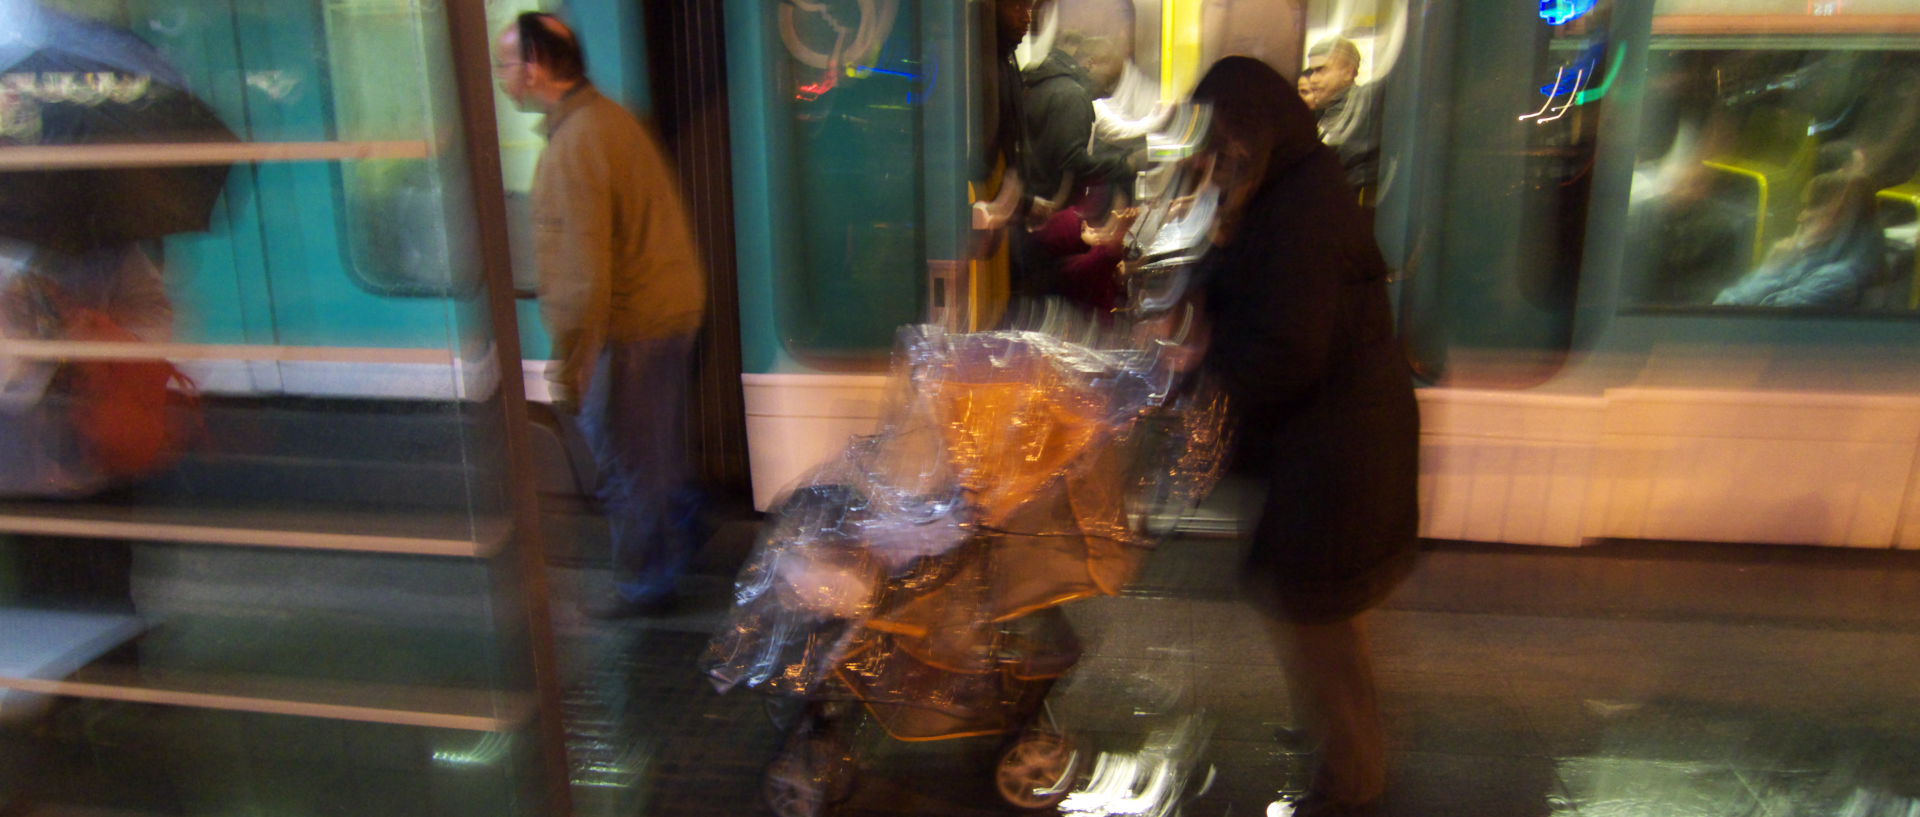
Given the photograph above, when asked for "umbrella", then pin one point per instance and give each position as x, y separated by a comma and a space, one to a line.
69, 81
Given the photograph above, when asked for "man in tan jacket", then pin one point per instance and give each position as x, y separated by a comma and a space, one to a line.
622, 292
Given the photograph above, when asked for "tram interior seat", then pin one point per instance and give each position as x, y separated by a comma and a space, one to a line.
1774, 153
1901, 235
1889, 289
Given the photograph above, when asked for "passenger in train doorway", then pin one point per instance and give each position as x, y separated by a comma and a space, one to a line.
1075, 177
997, 194
1305, 86
622, 292
1348, 111
1302, 337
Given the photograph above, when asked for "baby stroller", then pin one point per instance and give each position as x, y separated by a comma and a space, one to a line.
915, 582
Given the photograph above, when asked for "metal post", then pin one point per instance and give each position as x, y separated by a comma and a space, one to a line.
469, 39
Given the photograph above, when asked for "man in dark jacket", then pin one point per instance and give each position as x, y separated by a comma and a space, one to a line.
1062, 160
1062, 153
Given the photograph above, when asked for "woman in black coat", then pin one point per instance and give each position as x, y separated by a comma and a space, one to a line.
1302, 336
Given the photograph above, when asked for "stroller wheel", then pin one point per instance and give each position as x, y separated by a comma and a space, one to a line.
811, 773
783, 711
1037, 771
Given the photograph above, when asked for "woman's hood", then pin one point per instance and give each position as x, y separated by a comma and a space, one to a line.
1255, 103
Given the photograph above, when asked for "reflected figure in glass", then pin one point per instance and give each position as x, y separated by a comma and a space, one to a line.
78, 261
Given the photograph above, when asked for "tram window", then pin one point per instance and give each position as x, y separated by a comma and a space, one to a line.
401, 214
1782, 178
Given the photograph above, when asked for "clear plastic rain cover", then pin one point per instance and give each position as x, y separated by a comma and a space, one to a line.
918, 572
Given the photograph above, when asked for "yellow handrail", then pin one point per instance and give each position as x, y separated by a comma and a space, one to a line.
1760, 212
1180, 24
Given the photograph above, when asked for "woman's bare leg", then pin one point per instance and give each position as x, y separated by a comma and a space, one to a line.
1331, 667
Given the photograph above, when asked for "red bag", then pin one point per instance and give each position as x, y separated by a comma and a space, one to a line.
123, 411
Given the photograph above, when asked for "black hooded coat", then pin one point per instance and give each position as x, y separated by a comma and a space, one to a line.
1303, 338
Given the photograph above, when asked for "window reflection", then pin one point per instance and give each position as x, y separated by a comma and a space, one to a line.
402, 237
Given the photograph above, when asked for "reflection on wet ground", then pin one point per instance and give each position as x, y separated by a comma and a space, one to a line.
1628, 680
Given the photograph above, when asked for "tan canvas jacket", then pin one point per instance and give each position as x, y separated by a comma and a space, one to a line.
617, 260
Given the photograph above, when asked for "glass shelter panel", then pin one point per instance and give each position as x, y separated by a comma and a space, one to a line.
257, 546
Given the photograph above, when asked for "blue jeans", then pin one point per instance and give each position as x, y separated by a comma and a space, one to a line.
633, 417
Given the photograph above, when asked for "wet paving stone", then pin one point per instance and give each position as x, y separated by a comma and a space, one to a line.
1630, 787
1512, 708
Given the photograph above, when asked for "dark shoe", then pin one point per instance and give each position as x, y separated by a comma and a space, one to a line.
1316, 804
617, 607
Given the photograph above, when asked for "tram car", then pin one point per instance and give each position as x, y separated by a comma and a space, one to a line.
1590, 226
